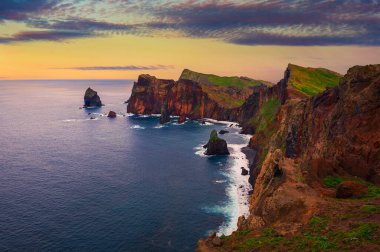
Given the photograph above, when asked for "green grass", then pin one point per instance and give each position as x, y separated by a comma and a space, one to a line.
318, 223
214, 136
311, 81
332, 181
266, 116
229, 92
223, 81
373, 191
266, 239
361, 231
369, 209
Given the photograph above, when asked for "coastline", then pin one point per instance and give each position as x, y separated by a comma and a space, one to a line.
239, 186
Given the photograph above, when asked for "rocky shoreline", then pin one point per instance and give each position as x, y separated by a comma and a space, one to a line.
312, 125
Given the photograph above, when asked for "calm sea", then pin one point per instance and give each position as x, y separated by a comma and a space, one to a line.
69, 183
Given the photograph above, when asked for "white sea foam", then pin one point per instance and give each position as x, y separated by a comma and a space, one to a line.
137, 127
160, 126
237, 189
220, 181
200, 151
232, 124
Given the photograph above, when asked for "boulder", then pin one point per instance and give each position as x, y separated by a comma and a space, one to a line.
216, 241
91, 98
216, 145
222, 132
351, 189
111, 114
244, 171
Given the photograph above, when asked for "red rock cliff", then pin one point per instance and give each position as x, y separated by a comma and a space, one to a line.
200, 98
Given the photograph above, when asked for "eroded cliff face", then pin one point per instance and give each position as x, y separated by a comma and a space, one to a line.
148, 95
306, 139
300, 137
333, 133
196, 98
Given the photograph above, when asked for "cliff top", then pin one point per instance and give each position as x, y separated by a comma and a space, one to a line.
229, 92
223, 81
311, 81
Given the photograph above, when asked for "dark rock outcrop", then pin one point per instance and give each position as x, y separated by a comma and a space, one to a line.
165, 115
91, 98
351, 189
222, 132
216, 145
111, 114
244, 171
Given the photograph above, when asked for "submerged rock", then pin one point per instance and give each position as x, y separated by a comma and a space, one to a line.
91, 98
221, 132
111, 114
216, 145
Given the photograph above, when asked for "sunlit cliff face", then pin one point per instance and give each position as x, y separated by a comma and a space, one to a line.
118, 39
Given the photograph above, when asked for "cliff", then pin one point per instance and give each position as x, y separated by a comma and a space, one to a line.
198, 96
307, 148
313, 132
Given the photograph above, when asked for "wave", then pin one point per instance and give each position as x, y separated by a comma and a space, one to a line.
228, 123
236, 190
220, 181
200, 151
137, 127
70, 120
160, 126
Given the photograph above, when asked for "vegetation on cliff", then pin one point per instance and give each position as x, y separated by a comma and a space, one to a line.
311, 81
229, 92
315, 158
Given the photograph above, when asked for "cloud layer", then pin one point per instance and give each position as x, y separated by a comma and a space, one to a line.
118, 68
293, 22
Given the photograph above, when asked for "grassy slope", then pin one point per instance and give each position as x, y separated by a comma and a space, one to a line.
311, 81
216, 87
340, 225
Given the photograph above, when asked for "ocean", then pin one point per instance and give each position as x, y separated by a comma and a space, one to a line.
71, 183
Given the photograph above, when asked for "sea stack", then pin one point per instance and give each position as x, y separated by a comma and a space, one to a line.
216, 145
91, 98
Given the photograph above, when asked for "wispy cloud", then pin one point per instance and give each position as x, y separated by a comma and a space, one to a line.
281, 22
118, 68
50, 35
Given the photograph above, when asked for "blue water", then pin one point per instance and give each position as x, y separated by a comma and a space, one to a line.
68, 183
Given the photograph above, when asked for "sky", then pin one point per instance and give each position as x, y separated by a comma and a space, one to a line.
120, 39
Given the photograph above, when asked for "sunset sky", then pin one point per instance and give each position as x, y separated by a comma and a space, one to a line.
119, 39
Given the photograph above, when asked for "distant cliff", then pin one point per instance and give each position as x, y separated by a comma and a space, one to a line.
198, 96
